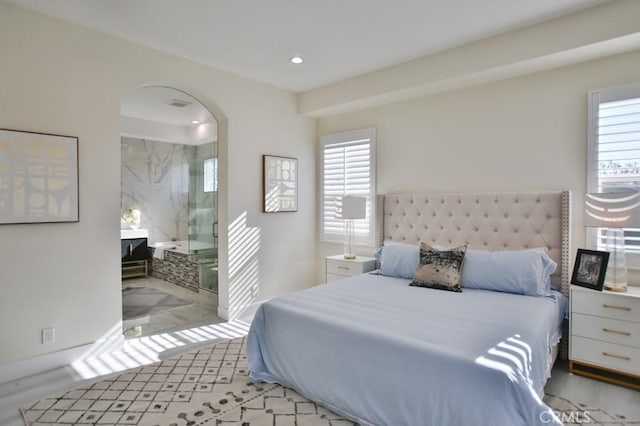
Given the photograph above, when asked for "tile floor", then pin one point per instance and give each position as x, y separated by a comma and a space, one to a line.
611, 398
203, 309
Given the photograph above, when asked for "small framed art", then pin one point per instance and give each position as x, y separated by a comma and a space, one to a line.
280, 186
590, 269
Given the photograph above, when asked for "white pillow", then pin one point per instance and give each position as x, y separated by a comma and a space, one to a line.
525, 272
399, 260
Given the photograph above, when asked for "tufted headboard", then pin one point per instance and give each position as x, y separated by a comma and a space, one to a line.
486, 221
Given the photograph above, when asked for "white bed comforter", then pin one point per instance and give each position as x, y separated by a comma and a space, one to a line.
378, 351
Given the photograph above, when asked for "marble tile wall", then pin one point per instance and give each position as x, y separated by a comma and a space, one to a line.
155, 180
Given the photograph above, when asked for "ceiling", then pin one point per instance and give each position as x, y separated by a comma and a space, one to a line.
166, 114
153, 103
338, 39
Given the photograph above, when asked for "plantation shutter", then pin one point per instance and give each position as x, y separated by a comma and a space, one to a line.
348, 169
614, 150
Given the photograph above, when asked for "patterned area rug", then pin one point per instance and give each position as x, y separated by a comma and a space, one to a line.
210, 386
141, 301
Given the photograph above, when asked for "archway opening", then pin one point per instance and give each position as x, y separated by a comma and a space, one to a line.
170, 221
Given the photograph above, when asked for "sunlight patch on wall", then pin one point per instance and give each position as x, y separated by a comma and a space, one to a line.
244, 265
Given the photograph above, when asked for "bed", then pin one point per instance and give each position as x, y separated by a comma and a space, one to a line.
378, 351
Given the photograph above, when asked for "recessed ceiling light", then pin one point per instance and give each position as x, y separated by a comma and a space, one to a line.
296, 60
195, 122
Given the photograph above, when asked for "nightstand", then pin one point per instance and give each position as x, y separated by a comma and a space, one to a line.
604, 340
337, 267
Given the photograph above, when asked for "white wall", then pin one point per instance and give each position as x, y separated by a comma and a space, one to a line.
63, 79
527, 133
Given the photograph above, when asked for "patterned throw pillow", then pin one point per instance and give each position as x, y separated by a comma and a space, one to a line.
440, 269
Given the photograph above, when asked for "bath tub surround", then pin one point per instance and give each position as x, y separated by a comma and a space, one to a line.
178, 266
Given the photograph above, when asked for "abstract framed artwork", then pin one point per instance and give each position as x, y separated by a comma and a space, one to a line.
280, 186
38, 177
590, 269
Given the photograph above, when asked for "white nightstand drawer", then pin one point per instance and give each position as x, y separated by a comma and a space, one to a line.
339, 267
609, 355
343, 267
605, 329
606, 305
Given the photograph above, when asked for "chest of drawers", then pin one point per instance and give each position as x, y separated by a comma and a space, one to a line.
605, 335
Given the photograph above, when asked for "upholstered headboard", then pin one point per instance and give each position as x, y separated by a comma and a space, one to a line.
489, 221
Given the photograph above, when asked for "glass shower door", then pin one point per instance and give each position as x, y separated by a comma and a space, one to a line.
203, 213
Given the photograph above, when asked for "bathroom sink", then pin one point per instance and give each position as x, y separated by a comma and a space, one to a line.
133, 233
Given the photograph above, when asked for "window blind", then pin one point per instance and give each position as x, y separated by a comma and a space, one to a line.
347, 169
614, 151
619, 145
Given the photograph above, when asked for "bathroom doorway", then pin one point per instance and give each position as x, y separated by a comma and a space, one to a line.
169, 211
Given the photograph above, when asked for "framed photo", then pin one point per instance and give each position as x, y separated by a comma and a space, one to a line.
590, 269
280, 189
38, 177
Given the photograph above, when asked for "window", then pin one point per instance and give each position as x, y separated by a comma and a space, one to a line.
211, 174
348, 168
614, 152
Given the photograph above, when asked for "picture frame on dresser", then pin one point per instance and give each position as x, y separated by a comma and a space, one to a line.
590, 269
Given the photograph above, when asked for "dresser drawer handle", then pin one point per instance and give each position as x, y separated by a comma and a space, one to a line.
624, 358
620, 308
624, 333
344, 268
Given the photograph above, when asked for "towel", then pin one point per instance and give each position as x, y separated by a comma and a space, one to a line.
158, 253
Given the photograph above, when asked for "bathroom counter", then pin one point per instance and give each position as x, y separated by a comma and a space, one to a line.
126, 234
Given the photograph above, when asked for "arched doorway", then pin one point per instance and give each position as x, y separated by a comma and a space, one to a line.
171, 196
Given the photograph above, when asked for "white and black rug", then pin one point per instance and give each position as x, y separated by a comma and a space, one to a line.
141, 301
209, 386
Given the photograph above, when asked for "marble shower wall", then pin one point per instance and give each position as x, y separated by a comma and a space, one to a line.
155, 180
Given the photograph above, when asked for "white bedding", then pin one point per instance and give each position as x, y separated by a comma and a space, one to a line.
380, 352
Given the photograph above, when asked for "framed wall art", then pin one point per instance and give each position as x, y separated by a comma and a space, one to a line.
38, 177
590, 269
280, 186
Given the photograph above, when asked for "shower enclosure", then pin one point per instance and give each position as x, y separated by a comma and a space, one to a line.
203, 218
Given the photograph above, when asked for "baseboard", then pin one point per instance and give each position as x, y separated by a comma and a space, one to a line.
16, 375
223, 312
239, 311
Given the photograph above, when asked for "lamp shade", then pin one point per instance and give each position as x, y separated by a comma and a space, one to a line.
351, 207
612, 210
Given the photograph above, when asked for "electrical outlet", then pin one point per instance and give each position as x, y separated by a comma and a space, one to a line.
254, 291
48, 335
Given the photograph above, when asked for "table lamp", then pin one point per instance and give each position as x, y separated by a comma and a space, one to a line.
614, 211
350, 208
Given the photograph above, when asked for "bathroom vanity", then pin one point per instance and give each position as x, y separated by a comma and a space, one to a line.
134, 253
